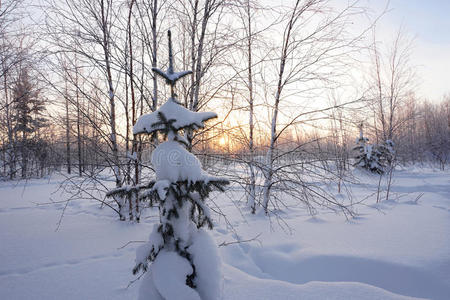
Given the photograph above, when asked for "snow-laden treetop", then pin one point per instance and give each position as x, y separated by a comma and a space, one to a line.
171, 116
170, 76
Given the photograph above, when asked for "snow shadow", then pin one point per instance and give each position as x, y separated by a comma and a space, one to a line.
396, 278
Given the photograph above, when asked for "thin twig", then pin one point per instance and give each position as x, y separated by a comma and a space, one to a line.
130, 242
242, 241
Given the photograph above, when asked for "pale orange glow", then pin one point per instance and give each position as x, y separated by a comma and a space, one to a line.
222, 141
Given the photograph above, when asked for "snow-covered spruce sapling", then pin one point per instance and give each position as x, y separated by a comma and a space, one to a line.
376, 158
387, 153
368, 157
180, 260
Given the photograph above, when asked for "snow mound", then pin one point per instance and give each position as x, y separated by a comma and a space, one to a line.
147, 290
208, 266
246, 287
174, 163
171, 110
167, 279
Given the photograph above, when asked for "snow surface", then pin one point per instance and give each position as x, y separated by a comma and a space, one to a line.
394, 250
171, 110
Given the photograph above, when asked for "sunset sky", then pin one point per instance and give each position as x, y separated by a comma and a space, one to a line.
429, 23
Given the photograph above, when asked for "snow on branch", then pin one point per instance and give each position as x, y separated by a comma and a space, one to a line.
182, 118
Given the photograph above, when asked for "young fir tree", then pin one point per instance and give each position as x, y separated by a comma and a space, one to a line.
368, 157
388, 151
387, 154
181, 259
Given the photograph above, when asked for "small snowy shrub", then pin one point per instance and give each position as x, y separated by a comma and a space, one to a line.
387, 153
373, 157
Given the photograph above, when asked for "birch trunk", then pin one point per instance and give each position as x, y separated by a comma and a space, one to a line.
197, 57
112, 117
11, 155
154, 53
69, 167
268, 169
252, 185
78, 123
11, 144
133, 118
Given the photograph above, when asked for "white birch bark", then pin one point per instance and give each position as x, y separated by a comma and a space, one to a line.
112, 105
268, 168
251, 197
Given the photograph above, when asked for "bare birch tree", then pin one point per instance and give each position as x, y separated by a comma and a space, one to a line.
313, 46
392, 83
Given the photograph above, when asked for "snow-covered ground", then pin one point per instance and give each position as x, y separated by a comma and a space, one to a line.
397, 249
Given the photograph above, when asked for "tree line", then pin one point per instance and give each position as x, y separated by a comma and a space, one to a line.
287, 81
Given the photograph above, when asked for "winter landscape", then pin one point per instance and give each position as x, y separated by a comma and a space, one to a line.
209, 149
397, 249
